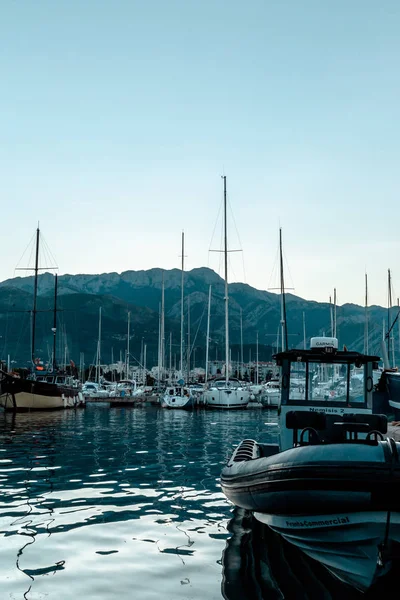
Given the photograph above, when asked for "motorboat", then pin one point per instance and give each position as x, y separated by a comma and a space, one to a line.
272, 393
178, 396
331, 486
226, 392
126, 388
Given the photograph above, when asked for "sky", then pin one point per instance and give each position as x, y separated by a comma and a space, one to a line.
117, 120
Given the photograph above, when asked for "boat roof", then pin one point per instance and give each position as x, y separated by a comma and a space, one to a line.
325, 355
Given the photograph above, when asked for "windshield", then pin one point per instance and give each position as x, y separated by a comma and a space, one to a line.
325, 382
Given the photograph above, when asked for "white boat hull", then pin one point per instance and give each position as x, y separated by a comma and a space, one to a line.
348, 545
226, 398
27, 401
168, 401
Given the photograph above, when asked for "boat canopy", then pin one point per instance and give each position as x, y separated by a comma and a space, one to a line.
323, 376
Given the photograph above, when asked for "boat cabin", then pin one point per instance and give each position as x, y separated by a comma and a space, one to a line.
321, 380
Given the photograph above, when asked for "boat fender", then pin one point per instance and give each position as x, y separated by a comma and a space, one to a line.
247, 450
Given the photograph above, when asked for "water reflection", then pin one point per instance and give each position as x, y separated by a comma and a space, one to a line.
259, 564
99, 502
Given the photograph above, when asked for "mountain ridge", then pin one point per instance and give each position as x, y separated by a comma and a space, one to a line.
81, 295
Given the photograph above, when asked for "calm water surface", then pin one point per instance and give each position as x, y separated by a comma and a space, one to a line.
118, 503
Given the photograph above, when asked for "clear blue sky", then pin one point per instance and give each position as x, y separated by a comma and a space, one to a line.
118, 118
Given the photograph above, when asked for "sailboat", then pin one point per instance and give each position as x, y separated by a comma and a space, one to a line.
43, 389
179, 395
226, 392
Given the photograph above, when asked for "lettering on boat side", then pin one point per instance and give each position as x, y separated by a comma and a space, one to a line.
326, 523
336, 411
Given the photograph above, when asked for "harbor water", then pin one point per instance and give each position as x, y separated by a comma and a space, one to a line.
114, 503
107, 504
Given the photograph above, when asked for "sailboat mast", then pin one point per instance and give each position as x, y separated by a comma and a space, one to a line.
127, 344
226, 287
208, 332
34, 310
388, 314
170, 356
334, 314
241, 343
257, 360
159, 344
144, 365
366, 316
162, 341
188, 343
283, 300
304, 330
182, 276
55, 323
99, 348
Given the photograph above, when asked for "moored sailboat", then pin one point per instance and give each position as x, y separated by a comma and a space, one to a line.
43, 389
227, 392
178, 395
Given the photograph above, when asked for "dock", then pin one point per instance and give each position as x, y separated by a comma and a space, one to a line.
125, 401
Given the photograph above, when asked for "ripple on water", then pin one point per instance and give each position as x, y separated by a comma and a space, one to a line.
104, 504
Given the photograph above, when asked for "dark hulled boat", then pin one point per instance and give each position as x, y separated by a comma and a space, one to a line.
41, 390
331, 486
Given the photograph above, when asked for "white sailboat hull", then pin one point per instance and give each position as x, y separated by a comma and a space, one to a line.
226, 398
348, 545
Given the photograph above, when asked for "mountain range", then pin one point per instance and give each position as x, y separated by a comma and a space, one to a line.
80, 297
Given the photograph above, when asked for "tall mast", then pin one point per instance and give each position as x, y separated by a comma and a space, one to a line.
257, 360
99, 348
34, 310
127, 344
55, 323
366, 316
334, 314
170, 356
159, 344
144, 364
162, 341
388, 314
188, 344
241, 343
283, 300
331, 314
182, 276
304, 330
226, 287
208, 331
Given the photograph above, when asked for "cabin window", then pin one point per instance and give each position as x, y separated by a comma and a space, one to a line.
334, 382
297, 390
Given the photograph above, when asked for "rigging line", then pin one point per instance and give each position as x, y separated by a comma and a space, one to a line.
274, 269
23, 327
47, 249
198, 327
392, 325
240, 241
29, 244
288, 268
215, 225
